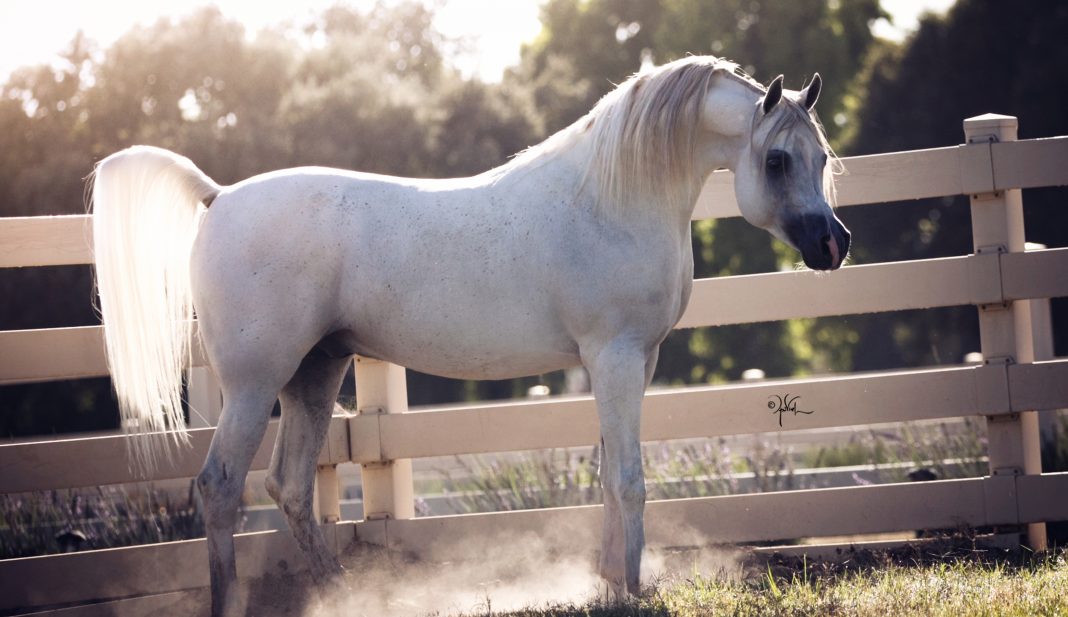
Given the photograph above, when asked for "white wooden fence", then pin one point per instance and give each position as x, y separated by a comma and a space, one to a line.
1002, 280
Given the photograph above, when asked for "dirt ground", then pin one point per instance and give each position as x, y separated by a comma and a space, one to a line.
383, 583
524, 573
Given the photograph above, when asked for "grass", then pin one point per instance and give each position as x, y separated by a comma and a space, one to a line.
103, 517
567, 478
940, 585
927, 446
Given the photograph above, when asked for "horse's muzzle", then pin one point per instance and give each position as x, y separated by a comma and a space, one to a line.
822, 239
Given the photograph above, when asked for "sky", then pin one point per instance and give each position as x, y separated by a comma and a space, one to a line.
34, 31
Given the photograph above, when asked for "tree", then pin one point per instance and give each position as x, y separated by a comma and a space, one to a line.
981, 57
793, 38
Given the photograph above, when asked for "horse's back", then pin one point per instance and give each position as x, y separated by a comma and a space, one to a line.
434, 275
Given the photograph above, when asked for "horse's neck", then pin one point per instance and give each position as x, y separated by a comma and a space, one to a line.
563, 171
728, 117
555, 173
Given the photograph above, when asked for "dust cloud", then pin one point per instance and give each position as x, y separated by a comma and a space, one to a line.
467, 576
472, 577
494, 575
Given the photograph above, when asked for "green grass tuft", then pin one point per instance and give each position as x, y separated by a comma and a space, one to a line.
974, 587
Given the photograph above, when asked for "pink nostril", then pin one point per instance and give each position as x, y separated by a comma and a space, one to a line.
832, 246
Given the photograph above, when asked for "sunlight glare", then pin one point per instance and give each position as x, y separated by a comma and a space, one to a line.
35, 32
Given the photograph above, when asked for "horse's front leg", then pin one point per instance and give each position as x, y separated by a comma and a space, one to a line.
618, 375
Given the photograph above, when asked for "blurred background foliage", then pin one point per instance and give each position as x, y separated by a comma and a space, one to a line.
374, 90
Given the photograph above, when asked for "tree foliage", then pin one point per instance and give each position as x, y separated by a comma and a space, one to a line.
981, 57
357, 90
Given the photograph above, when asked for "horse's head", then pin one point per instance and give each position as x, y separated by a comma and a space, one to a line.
783, 180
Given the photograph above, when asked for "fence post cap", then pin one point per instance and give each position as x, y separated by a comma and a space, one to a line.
990, 121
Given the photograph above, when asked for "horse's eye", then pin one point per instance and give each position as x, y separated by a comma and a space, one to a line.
777, 161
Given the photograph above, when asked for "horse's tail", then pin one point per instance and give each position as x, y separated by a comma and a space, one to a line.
146, 205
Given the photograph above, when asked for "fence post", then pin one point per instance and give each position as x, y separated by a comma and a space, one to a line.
1042, 335
1042, 325
1005, 329
327, 502
388, 491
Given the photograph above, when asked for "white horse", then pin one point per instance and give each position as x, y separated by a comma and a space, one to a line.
575, 252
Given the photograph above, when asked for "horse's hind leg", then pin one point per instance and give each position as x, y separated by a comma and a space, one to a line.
307, 404
222, 480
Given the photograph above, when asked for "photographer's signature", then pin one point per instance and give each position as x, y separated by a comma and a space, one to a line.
783, 404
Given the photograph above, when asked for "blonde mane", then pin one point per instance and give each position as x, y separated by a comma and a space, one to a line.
644, 133
643, 136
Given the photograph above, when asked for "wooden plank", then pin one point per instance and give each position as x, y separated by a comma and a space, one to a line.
1043, 498
523, 425
70, 353
45, 241
896, 286
900, 176
870, 179
717, 200
574, 529
837, 551
187, 602
822, 512
1035, 274
1039, 386
98, 461
737, 518
29, 356
147, 569
833, 401
919, 174
1030, 163
169, 567
520, 425
690, 412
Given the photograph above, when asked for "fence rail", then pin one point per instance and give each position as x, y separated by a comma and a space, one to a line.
992, 278
704, 411
973, 502
1005, 282
879, 178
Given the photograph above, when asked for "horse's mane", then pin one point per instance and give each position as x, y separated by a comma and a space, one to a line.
643, 134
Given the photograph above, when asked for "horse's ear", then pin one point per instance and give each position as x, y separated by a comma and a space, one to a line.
774, 95
811, 93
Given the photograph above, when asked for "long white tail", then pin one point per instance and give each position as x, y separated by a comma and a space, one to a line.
146, 205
